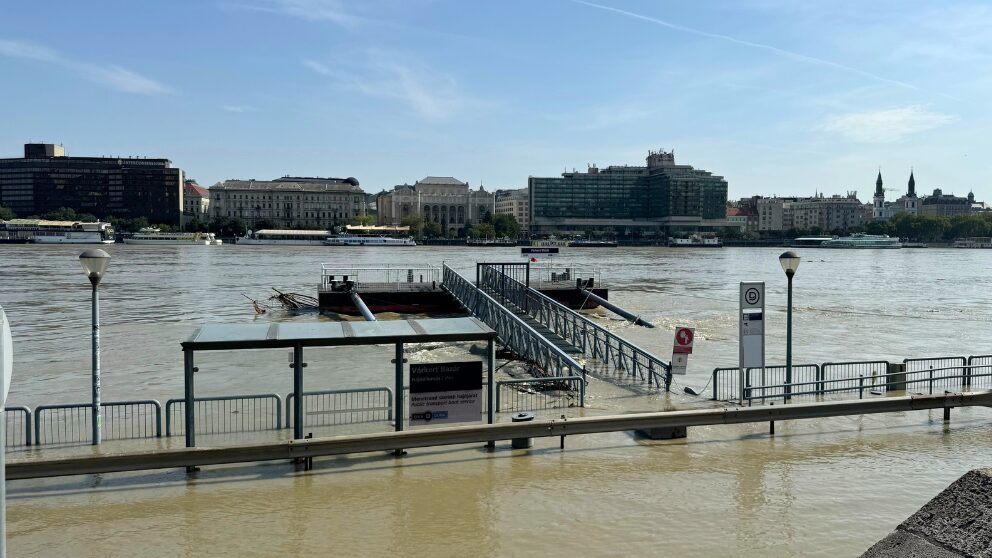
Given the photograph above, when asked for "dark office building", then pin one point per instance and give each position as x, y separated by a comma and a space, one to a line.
45, 180
654, 200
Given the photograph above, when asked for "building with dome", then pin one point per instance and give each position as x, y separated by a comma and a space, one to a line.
289, 202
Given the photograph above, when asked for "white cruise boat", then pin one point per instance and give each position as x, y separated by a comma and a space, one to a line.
41, 231
285, 237
151, 235
861, 240
367, 240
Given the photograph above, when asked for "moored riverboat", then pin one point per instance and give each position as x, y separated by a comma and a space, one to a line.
152, 235
864, 241
40, 231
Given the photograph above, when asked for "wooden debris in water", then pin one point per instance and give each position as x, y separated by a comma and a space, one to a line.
294, 301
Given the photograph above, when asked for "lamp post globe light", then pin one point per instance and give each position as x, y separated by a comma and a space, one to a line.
790, 263
95, 262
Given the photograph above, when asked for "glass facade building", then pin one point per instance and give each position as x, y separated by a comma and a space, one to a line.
46, 180
652, 200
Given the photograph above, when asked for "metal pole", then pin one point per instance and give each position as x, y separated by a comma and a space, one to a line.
399, 394
788, 344
96, 366
190, 416
3, 482
298, 392
491, 388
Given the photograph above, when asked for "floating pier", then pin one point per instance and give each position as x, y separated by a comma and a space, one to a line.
420, 289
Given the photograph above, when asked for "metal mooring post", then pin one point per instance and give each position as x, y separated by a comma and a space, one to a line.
668, 379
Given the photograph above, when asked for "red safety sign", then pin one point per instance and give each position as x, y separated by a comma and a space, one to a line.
683, 340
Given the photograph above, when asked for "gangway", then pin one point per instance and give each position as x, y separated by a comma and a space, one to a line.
550, 324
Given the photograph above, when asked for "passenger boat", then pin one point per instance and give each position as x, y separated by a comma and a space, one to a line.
285, 237
861, 240
695, 241
346, 239
810, 241
55, 232
152, 235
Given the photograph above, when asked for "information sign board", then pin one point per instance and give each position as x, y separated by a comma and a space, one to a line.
445, 392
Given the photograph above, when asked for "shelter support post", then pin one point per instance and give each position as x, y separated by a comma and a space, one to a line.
189, 406
398, 400
298, 392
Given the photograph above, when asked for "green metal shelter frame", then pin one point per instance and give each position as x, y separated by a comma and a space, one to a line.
297, 336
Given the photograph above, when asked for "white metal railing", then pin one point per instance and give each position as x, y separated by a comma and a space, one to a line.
383, 277
549, 276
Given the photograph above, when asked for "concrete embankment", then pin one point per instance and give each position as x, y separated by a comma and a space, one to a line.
956, 523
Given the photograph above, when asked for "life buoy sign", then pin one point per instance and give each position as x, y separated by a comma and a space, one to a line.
684, 337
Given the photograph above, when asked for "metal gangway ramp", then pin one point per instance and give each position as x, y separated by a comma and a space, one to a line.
532, 324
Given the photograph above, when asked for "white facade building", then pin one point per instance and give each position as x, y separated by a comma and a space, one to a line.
438, 199
289, 202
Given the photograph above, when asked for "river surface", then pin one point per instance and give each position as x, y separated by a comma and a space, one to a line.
824, 487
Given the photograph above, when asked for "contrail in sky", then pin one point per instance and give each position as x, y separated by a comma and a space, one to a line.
729, 39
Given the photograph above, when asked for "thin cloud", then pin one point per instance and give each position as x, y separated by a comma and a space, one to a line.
885, 126
238, 108
741, 42
310, 10
113, 76
429, 94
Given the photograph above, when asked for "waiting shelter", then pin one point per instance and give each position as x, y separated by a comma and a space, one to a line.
298, 336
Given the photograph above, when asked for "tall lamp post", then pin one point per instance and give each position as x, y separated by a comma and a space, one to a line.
95, 262
790, 263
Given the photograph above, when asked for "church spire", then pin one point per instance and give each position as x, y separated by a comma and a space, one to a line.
879, 191
912, 185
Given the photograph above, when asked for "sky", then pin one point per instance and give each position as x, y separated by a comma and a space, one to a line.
780, 98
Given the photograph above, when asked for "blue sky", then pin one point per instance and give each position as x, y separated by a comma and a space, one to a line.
778, 97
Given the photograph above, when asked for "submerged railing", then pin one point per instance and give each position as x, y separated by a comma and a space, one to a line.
122, 420
532, 394
594, 340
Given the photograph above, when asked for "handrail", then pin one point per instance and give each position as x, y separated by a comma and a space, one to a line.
509, 326
577, 329
27, 421
39, 413
250, 397
388, 407
556, 379
879, 380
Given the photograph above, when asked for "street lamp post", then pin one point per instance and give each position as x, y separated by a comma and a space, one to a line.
790, 263
95, 262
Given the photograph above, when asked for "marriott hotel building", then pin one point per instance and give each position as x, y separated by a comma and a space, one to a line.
45, 180
656, 200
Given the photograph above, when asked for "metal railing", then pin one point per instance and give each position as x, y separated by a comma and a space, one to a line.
594, 340
530, 394
380, 277
926, 382
122, 420
343, 406
226, 414
17, 426
974, 372
513, 332
980, 363
919, 369
550, 276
